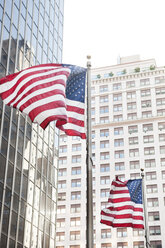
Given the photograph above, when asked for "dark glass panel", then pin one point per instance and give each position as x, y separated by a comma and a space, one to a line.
6, 124
13, 225
8, 110
19, 161
23, 208
21, 229
42, 202
3, 242
45, 163
5, 221
24, 187
4, 58
1, 192
15, 116
22, 26
14, 33
20, 142
16, 14
11, 243
12, 154
28, 130
2, 168
8, 197
15, 202
10, 175
22, 123
0, 209
13, 134
7, 22
12, 52
2, 71
17, 182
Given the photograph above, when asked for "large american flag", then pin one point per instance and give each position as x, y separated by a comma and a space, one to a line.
124, 208
47, 93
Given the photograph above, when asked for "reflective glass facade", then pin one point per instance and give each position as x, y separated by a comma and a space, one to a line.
30, 33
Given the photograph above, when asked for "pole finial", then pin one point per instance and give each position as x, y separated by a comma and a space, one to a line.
89, 62
88, 56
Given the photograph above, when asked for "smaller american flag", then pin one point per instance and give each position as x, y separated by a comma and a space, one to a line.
125, 207
47, 93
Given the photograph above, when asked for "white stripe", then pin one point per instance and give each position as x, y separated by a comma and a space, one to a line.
118, 188
41, 91
121, 212
118, 196
47, 113
121, 221
76, 115
74, 127
42, 81
118, 182
42, 102
75, 103
126, 203
8, 85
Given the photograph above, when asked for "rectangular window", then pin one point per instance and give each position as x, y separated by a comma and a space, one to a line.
60, 222
106, 233
76, 170
138, 232
152, 202
104, 133
75, 208
104, 193
103, 88
152, 188
131, 105
117, 86
130, 84
62, 184
153, 216
117, 107
75, 195
156, 244
135, 176
146, 104
118, 142
104, 144
104, 155
117, 118
146, 114
144, 82
92, 111
119, 166
121, 232
104, 180
117, 97
62, 172
63, 160
161, 126
138, 244
76, 159
149, 150
133, 129
160, 91
151, 175
147, 127
159, 80
160, 101
75, 183
103, 99
118, 131
145, 93
104, 109
154, 230
63, 149
104, 119
62, 196
163, 175
76, 147
134, 152
148, 139
134, 165
149, 163
104, 167
133, 140
75, 235
122, 245
119, 154
161, 137
131, 95
60, 236
61, 209
161, 112
75, 221
162, 149
132, 116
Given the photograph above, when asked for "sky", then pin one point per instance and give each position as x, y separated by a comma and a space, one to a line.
106, 29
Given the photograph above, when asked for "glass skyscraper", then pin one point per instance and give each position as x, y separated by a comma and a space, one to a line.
31, 32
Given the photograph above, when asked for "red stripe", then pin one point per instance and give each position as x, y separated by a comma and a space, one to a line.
72, 132
110, 223
46, 122
134, 208
51, 105
118, 200
39, 97
76, 122
116, 192
75, 109
118, 184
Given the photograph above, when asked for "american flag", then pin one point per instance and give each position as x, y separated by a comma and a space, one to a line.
125, 208
47, 93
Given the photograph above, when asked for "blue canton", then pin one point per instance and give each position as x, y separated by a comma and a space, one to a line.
75, 87
135, 190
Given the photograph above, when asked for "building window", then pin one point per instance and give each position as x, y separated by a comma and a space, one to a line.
104, 155
76, 147
103, 99
76, 170
103, 88
117, 118
163, 175
149, 150
133, 129
63, 160
160, 101
135, 176
154, 230
118, 131
92, 90
92, 111
156, 244
92, 100
151, 175
153, 216
104, 167
104, 133
131, 95
60, 222
131, 105
122, 245
76, 159
162, 162
147, 127
104, 193
63, 138
161, 112
62, 196
152, 202
62, 172
161, 137
104, 109
93, 134
119, 154
75, 235
63, 149
133, 140
138, 232
146, 114
117, 97
118, 142
161, 126
104, 180
119, 166
160, 91
145, 93
149, 163
60, 236
159, 80
132, 116
75, 221
75, 208
146, 104
107, 245
75, 195
61, 209
138, 244
144, 82
134, 165
148, 139
117, 107
121, 177
152, 188
134, 152
130, 84
117, 86
104, 144
75, 183
106, 233
163, 187
162, 149
104, 119
121, 232
62, 184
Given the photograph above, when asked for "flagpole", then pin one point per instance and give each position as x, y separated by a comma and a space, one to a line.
145, 211
89, 205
